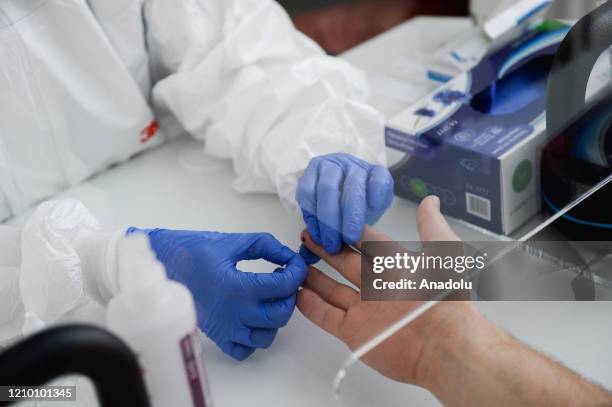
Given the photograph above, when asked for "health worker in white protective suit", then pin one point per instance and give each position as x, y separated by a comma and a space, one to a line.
86, 84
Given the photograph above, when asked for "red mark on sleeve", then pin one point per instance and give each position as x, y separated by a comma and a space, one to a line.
149, 132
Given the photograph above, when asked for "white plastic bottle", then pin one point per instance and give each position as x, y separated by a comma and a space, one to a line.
156, 318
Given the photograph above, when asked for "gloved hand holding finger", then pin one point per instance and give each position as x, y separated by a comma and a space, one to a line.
338, 195
239, 311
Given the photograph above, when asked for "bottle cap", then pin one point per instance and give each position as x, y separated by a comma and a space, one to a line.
141, 275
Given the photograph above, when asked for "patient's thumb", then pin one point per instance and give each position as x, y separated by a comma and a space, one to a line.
431, 225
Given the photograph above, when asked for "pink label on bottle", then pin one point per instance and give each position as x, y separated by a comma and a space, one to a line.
193, 370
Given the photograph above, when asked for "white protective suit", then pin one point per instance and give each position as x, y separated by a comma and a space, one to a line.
85, 83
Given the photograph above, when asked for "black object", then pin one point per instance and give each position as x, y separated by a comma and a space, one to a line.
77, 349
569, 168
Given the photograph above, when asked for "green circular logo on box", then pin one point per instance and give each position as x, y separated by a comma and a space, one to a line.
522, 177
419, 188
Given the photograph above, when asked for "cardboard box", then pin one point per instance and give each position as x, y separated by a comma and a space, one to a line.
476, 141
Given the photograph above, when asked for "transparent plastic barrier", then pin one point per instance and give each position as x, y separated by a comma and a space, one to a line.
530, 239
585, 190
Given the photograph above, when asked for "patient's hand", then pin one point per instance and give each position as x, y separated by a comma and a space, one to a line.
338, 309
451, 350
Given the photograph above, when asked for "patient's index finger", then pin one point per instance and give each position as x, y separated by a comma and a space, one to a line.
347, 262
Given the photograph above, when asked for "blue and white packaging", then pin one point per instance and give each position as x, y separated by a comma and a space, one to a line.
476, 141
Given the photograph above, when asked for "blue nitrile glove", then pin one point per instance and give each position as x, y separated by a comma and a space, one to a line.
239, 311
338, 195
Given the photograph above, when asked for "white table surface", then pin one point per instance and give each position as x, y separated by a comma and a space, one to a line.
156, 190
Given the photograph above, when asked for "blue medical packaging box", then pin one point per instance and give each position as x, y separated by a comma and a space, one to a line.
476, 141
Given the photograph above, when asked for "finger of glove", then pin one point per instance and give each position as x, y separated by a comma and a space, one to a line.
345, 160
255, 338
355, 161
328, 206
280, 311
263, 338
354, 204
380, 189
308, 256
306, 197
269, 314
282, 283
237, 351
311, 222
266, 246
